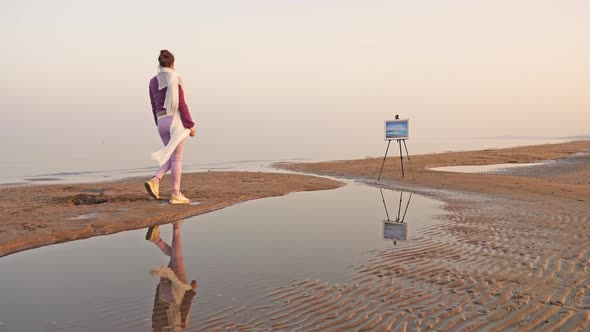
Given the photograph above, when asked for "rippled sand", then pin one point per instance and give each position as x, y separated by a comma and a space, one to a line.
505, 258
511, 252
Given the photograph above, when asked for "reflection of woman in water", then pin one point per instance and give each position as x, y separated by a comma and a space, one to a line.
174, 296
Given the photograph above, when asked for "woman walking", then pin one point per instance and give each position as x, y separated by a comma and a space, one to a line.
174, 124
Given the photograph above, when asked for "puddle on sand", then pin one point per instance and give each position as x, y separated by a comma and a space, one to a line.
483, 168
164, 202
85, 216
235, 255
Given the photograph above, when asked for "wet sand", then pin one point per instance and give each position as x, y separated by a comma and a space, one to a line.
512, 252
38, 215
570, 181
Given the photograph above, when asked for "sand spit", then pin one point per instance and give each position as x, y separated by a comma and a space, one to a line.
34, 216
567, 177
511, 258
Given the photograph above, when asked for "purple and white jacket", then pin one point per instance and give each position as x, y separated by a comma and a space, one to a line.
157, 98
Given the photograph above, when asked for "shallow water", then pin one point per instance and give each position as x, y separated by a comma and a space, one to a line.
484, 168
236, 255
43, 164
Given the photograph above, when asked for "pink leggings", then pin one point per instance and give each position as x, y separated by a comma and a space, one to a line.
175, 253
174, 164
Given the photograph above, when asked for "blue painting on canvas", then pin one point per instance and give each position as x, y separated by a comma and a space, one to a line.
396, 129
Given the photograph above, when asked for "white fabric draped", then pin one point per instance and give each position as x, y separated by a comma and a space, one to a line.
174, 292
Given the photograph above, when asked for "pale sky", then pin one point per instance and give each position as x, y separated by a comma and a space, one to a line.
298, 72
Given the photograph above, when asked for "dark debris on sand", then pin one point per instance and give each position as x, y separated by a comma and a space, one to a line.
86, 199
90, 199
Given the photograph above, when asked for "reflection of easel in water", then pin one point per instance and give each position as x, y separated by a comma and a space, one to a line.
395, 229
401, 155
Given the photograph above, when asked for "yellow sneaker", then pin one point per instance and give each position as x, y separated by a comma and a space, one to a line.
153, 233
180, 199
153, 188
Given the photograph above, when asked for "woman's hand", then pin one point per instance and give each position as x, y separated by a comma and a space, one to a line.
193, 132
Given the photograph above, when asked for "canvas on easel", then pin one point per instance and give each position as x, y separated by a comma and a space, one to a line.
398, 130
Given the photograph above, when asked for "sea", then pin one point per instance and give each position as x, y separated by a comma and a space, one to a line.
111, 156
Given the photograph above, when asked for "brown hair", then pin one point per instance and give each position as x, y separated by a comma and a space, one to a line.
166, 59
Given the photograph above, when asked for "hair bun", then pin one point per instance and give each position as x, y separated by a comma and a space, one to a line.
166, 58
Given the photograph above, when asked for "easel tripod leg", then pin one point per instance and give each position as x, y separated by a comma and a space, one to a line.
399, 208
407, 205
410, 161
401, 156
385, 206
383, 163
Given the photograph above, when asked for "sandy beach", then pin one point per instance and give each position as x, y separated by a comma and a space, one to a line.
511, 253
34, 216
569, 182
273, 118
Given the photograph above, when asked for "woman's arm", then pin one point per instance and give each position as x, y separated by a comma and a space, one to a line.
185, 115
153, 102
